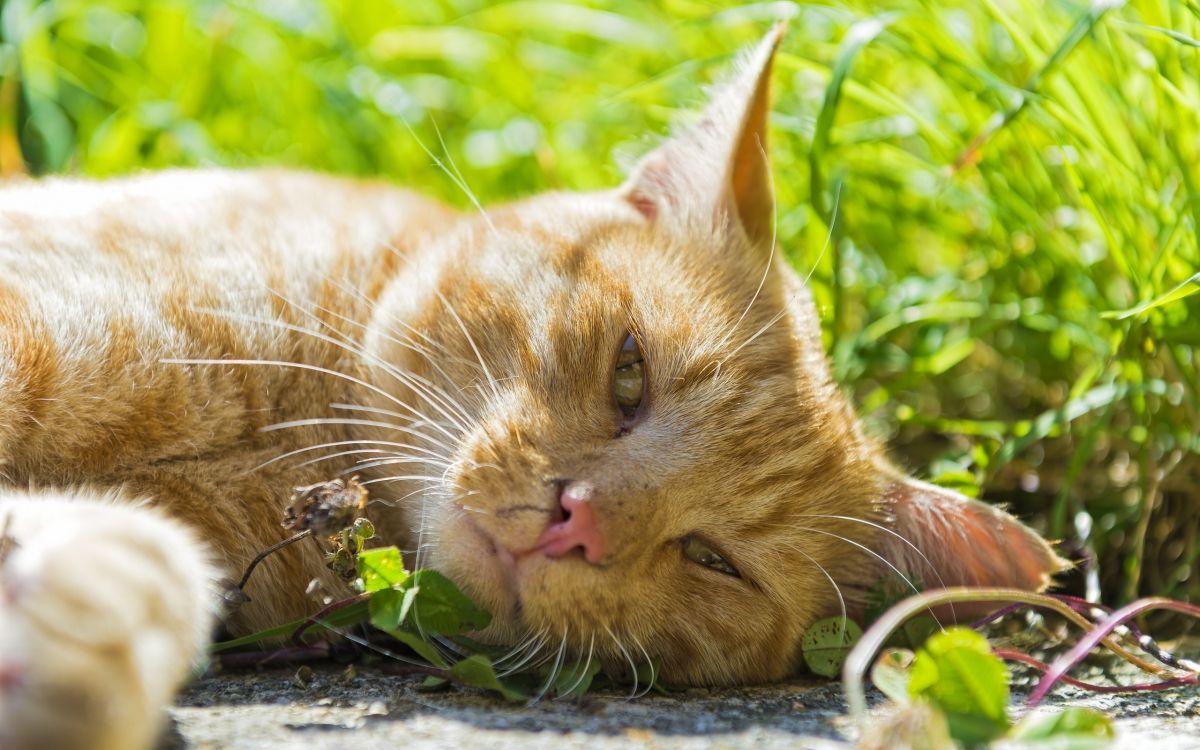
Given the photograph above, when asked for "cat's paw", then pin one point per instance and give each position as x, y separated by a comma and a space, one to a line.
103, 609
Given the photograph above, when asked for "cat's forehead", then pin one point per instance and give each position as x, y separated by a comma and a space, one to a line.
595, 243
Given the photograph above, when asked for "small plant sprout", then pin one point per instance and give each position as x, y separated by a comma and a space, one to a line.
960, 676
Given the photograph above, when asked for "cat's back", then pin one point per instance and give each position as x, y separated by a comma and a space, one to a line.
102, 282
167, 216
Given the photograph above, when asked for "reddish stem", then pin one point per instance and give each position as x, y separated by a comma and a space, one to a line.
303, 627
1042, 666
1089, 641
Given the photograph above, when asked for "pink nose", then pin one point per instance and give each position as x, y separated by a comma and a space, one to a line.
578, 527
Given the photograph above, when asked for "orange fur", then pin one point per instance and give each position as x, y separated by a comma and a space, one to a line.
478, 351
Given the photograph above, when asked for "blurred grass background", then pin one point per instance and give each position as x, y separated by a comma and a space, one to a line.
1011, 187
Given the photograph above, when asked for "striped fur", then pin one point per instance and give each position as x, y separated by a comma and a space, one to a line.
166, 339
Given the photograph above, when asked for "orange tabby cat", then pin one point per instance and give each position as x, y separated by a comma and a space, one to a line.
607, 416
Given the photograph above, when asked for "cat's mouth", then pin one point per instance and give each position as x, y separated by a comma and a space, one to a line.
509, 566
505, 564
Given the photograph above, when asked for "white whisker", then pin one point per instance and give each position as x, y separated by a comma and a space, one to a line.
649, 663
584, 671
869, 551
303, 366
558, 662
628, 658
471, 341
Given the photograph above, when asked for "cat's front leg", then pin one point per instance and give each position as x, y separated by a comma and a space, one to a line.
104, 608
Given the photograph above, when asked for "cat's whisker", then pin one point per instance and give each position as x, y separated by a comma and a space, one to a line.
779, 315
443, 351
558, 664
376, 463
461, 181
401, 478
650, 663
871, 552
390, 333
367, 463
367, 644
761, 282
359, 464
516, 650
532, 652
628, 658
412, 428
837, 202
421, 550
584, 671
733, 329
765, 327
394, 501
352, 348
415, 453
322, 446
471, 341
308, 367
422, 524
538, 656
340, 454
458, 182
343, 421
886, 530
531, 649
836, 589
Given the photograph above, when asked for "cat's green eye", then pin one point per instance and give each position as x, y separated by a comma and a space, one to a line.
629, 379
699, 552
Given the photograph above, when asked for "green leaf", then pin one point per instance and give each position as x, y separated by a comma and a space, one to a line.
432, 684
390, 607
957, 671
422, 647
1073, 728
477, 671
441, 608
891, 674
575, 678
350, 615
381, 568
827, 642
1184, 289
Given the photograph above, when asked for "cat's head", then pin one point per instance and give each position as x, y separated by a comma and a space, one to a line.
629, 442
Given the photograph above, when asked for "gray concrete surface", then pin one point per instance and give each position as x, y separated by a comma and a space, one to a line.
269, 710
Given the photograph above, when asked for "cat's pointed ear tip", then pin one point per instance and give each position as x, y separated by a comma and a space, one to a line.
762, 55
775, 36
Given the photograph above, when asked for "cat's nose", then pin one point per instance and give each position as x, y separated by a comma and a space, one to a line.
578, 529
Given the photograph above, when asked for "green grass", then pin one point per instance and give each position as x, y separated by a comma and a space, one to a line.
1012, 187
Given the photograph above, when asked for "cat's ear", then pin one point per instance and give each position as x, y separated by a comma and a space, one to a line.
946, 539
716, 174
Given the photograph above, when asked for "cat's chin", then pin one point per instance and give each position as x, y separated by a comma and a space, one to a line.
511, 586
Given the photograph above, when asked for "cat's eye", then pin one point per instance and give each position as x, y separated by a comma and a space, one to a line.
699, 552
629, 378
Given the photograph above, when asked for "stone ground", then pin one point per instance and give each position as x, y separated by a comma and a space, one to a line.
271, 710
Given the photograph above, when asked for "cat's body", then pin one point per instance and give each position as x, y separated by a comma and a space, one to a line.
699, 507
102, 282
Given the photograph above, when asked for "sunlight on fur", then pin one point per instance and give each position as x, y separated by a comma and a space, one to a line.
177, 350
